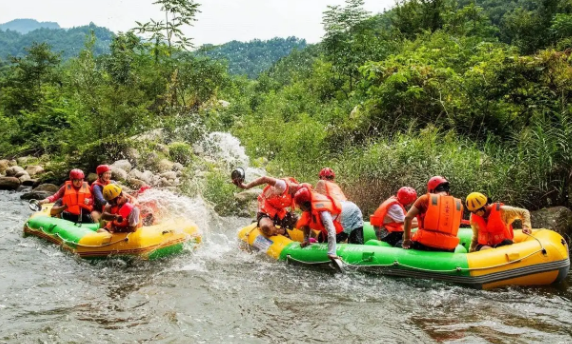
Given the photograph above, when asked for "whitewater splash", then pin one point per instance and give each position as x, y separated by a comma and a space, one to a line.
225, 148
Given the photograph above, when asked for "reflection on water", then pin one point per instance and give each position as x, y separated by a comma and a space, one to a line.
222, 294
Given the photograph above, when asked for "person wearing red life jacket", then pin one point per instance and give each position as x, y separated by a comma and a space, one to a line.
389, 218
275, 203
73, 201
319, 212
438, 216
122, 215
492, 222
351, 217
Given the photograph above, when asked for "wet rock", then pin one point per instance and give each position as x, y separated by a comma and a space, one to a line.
92, 177
30, 182
9, 183
118, 173
171, 175
34, 170
164, 166
147, 177
39, 195
178, 167
135, 173
125, 165
4, 165
14, 170
47, 188
558, 219
25, 178
22, 173
135, 184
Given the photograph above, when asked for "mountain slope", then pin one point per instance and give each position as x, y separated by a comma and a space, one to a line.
24, 26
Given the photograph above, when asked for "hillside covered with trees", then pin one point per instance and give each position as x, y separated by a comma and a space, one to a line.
68, 42
24, 26
254, 57
477, 91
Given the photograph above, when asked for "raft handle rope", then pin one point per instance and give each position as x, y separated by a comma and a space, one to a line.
461, 269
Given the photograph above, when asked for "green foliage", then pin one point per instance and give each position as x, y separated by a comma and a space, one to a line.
181, 152
220, 192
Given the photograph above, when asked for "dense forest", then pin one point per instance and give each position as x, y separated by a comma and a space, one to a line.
254, 57
477, 91
67, 42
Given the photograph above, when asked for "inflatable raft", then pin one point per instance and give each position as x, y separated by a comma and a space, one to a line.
146, 243
538, 259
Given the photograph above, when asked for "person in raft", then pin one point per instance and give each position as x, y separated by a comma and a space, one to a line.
122, 215
438, 216
103, 179
351, 217
73, 201
492, 223
388, 219
275, 203
322, 213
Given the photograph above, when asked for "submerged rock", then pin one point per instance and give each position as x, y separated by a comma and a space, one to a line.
9, 183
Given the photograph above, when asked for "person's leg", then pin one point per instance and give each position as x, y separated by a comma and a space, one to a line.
356, 236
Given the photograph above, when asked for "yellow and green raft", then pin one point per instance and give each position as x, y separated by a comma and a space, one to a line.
538, 259
148, 243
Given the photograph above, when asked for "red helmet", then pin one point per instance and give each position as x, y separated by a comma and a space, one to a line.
434, 182
101, 169
76, 174
406, 195
303, 195
327, 172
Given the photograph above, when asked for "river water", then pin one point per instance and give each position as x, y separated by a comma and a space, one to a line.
220, 294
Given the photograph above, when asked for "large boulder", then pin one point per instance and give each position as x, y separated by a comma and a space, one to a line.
135, 173
47, 188
4, 165
125, 165
164, 166
34, 170
118, 173
9, 183
147, 177
558, 219
170, 175
25, 179
39, 195
14, 170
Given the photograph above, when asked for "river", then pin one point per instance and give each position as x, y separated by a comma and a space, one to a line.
220, 294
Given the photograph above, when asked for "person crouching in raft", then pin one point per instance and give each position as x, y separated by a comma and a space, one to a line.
74, 200
124, 216
103, 179
388, 219
492, 223
275, 203
351, 217
319, 212
438, 216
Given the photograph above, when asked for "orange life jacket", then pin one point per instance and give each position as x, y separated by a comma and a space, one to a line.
492, 231
75, 198
321, 203
124, 211
438, 227
333, 190
275, 205
378, 217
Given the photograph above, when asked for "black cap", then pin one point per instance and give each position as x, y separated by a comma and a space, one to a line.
238, 174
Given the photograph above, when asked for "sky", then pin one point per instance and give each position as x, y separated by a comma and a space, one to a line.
220, 21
